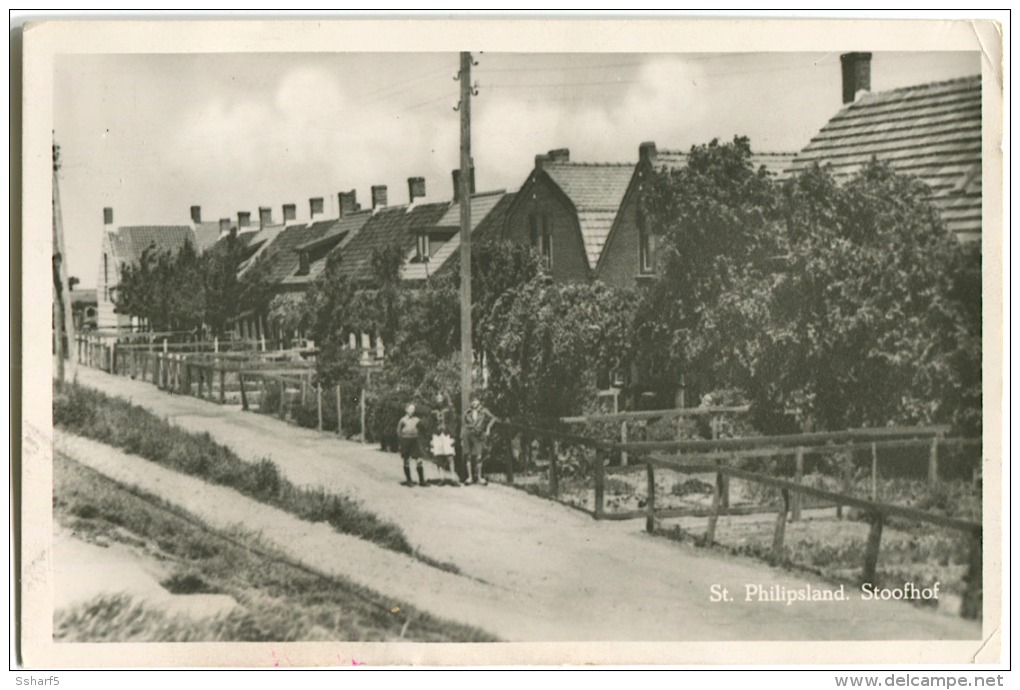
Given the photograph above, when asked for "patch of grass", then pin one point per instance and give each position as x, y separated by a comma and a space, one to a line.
279, 601
91, 413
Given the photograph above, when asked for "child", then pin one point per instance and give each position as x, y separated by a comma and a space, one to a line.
442, 442
478, 422
407, 433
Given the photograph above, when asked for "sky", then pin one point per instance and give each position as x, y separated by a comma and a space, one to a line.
150, 135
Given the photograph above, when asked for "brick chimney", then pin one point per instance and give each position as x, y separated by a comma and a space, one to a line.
378, 196
289, 212
315, 206
196, 214
243, 219
415, 188
540, 160
559, 156
348, 202
856, 74
265, 216
647, 153
456, 183
107, 216
224, 226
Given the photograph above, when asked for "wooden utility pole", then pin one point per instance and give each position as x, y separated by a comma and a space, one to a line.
464, 192
63, 318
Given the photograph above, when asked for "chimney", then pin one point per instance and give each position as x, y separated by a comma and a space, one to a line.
224, 226
378, 196
243, 219
348, 202
107, 216
265, 216
315, 206
856, 74
647, 153
559, 156
289, 212
196, 214
456, 183
415, 188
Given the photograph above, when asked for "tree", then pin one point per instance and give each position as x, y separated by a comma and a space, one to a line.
850, 305
547, 344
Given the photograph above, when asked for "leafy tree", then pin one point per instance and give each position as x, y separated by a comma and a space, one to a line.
849, 304
546, 345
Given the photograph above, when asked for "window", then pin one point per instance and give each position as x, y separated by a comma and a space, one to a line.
646, 245
541, 236
304, 264
424, 248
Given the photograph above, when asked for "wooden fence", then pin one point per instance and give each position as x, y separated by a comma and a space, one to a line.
711, 456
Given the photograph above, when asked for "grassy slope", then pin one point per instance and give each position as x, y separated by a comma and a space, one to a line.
90, 413
279, 601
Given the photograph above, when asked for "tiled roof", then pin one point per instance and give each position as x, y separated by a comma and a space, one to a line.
280, 259
776, 164
340, 231
389, 226
206, 235
261, 240
931, 131
130, 241
596, 190
481, 207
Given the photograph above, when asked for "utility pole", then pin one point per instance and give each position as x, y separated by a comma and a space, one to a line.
63, 318
464, 192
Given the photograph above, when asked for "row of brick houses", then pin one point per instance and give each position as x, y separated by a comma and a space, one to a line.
583, 217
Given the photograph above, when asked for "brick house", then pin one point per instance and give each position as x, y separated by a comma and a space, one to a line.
124, 246
628, 257
930, 131
566, 210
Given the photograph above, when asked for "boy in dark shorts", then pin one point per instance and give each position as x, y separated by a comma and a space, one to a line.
407, 434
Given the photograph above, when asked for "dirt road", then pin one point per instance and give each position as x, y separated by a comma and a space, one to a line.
547, 572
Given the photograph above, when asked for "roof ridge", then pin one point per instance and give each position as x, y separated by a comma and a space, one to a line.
583, 164
928, 85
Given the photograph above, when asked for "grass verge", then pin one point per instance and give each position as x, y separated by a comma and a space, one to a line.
133, 429
279, 600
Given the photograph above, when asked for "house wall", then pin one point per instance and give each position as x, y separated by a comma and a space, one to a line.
541, 196
107, 279
620, 265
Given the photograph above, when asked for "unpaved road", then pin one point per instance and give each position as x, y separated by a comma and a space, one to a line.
553, 573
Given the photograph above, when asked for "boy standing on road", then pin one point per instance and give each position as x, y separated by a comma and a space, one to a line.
478, 421
407, 433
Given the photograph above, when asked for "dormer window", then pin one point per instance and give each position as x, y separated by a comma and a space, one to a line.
424, 248
304, 264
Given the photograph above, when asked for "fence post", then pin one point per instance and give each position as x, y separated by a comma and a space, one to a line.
798, 477
113, 357
339, 413
223, 384
600, 483
364, 435
623, 439
871, 550
874, 471
304, 391
283, 399
933, 462
554, 470
244, 396
318, 402
509, 460
713, 519
650, 519
972, 596
777, 556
